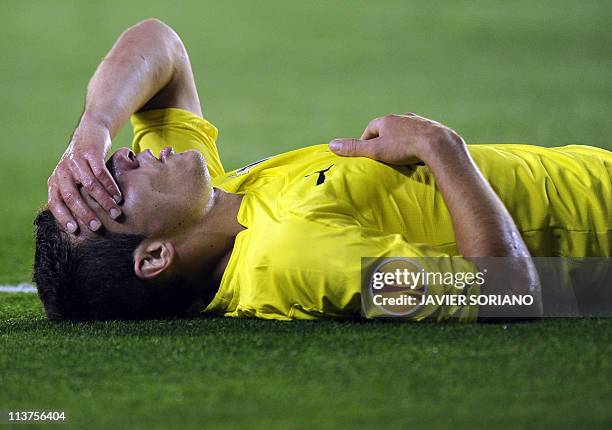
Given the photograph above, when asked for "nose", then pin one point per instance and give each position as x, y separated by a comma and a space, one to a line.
124, 159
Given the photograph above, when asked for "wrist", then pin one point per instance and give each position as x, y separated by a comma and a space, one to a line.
94, 119
446, 144
92, 130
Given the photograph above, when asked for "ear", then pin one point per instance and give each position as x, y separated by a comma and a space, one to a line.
154, 259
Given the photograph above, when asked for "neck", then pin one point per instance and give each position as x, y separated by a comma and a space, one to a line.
205, 248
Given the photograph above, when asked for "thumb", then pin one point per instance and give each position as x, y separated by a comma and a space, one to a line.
353, 147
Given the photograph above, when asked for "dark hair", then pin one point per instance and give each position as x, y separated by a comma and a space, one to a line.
94, 279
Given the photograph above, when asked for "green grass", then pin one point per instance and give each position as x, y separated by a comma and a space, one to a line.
274, 76
215, 372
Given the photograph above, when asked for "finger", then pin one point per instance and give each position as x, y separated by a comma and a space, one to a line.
95, 189
59, 210
106, 179
75, 202
372, 130
369, 133
356, 147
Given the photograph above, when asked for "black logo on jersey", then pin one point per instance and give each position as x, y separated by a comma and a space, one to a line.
321, 176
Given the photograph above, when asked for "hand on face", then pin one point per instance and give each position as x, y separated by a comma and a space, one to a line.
83, 165
160, 195
396, 139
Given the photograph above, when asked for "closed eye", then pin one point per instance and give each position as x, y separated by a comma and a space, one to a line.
111, 168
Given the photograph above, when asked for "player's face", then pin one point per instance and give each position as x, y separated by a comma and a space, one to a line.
161, 195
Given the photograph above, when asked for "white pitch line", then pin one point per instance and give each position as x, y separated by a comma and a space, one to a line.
21, 288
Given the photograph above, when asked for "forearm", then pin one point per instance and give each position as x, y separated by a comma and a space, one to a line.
483, 227
484, 230
138, 66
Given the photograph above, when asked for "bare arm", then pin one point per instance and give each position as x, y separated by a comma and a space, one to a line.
146, 68
482, 225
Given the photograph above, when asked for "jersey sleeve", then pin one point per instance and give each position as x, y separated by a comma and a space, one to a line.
443, 279
181, 129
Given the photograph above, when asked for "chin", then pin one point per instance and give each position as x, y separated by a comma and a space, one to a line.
197, 159
200, 169
189, 175
193, 162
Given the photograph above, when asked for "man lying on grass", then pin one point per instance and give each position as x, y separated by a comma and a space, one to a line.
162, 229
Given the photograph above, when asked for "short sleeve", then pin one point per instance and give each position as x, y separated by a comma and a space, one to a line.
450, 280
183, 130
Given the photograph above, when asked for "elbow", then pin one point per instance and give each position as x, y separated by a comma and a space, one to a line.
159, 33
527, 283
516, 279
164, 41
153, 24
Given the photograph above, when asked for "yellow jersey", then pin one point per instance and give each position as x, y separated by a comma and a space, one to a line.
310, 216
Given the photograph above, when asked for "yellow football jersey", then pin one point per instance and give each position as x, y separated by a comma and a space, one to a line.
310, 216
